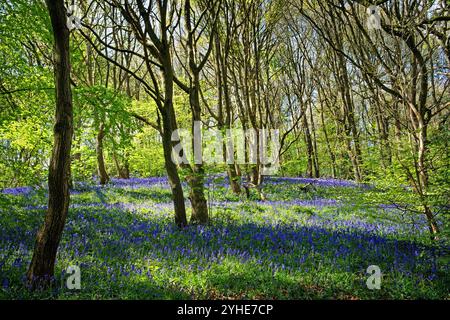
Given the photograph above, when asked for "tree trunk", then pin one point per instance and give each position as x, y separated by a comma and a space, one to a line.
126, 169
351, 132
420, 119
41, 269
172, 173
122, 172
197, 176
102, 173
197, 196
423, 178
309, 146
234, 179
327, 141
314, 141
432, 223
169, 124
224, 96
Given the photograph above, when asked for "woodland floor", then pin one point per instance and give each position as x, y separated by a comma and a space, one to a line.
312, 242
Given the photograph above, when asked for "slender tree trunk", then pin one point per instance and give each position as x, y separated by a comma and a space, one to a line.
197, 196
351, 132
169, 124
102, 173
327, 141
231, 170
234, 179
419, 119
172, 174
224, 99
126, 169
314, 141
432, 223
383, 135
197, 176
122, 172
41, 269
309, 146
423, 178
